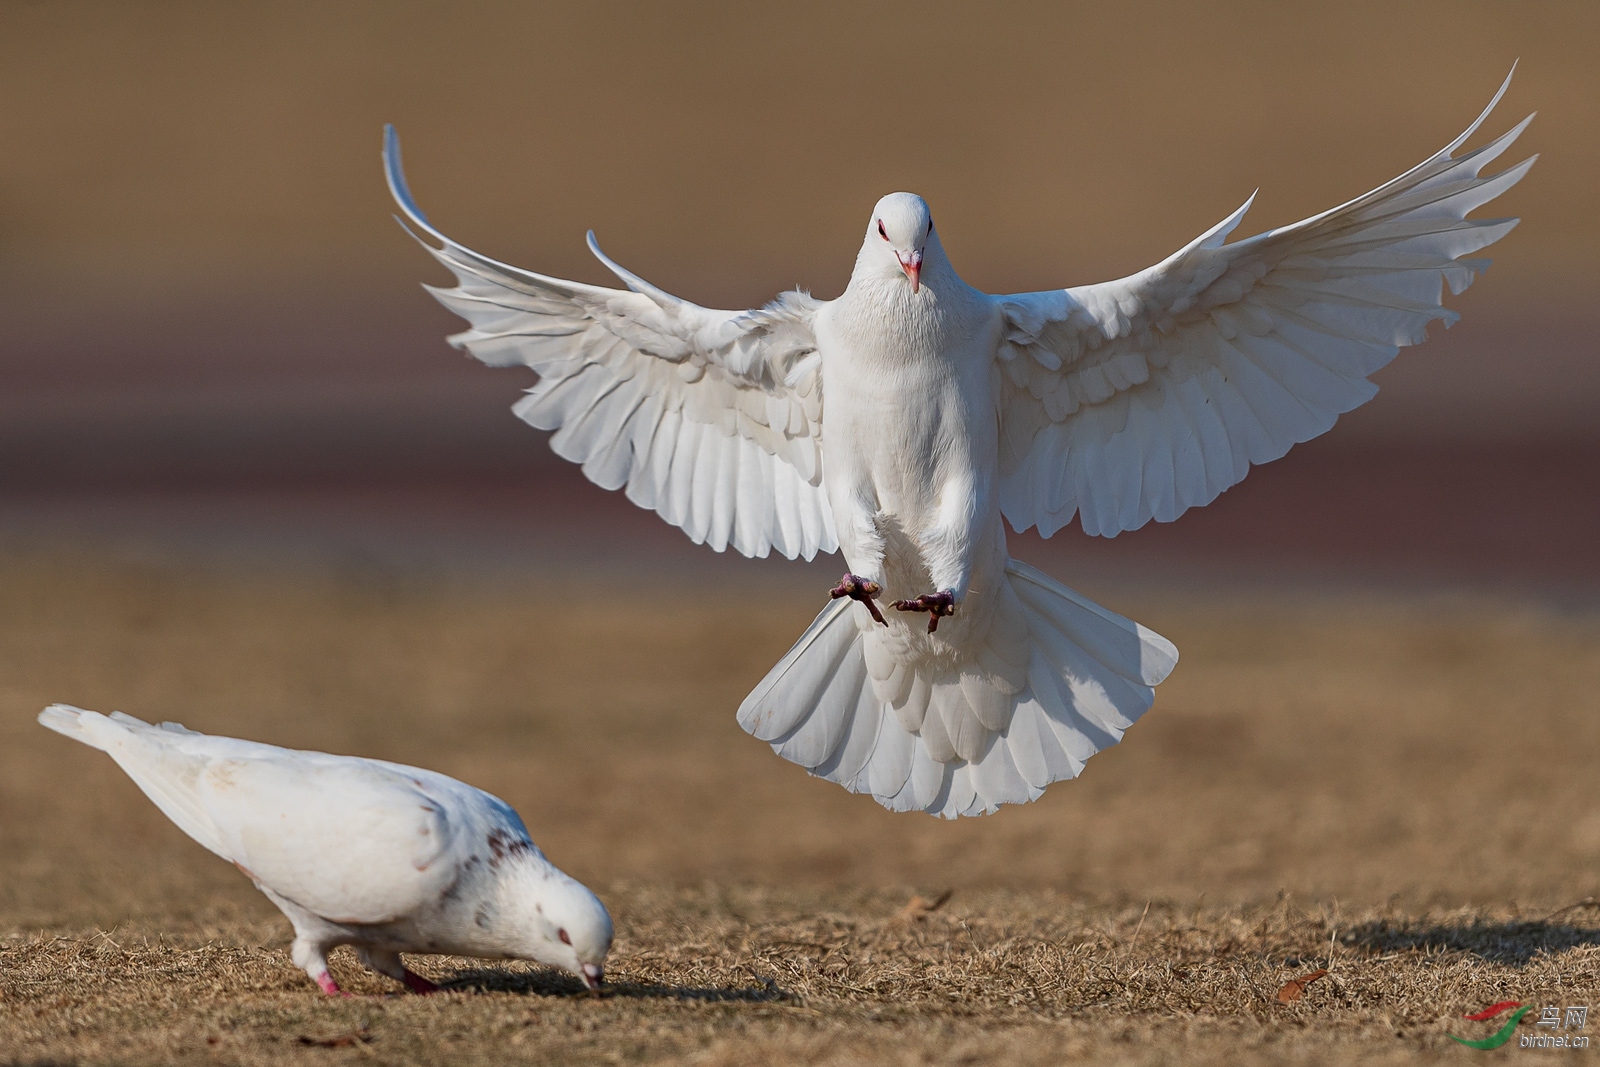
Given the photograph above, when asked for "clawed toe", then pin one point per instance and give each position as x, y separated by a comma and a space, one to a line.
937, 605
862, 589
326, 983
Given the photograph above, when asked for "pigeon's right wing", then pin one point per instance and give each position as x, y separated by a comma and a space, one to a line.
349, 839
712, 419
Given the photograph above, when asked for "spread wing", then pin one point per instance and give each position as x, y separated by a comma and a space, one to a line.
712, 419
1140, 398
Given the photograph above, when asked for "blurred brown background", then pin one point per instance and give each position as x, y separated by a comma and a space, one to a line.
213, 331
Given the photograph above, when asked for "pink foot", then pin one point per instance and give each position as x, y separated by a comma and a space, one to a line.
858, 588
937, 605
326, 983
418, 984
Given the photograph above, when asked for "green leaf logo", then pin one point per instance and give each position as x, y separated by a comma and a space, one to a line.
1500, 1037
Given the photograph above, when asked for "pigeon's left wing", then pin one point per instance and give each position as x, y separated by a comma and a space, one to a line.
352, 840
1140, 398
712, 419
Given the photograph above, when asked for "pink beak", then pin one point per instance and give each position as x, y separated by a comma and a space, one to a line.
912, 265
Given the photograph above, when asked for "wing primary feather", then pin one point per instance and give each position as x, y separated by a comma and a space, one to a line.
665, 300
651, 392
1279, 331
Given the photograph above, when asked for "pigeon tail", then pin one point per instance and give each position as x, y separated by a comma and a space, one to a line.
153, 756
1055, 679
68, 721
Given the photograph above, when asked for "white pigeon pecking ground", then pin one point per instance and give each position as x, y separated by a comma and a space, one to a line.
906, 421
381, 856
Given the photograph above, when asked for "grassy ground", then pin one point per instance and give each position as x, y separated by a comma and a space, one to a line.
1398, 790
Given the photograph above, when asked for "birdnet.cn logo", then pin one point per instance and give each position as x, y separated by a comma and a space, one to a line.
1557, 1019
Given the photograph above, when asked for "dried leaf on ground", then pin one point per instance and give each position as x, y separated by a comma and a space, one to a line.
1295, 988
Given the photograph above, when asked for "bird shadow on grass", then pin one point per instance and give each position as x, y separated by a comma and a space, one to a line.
1515, 944
559, 984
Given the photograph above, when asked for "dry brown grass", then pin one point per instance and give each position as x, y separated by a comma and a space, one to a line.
749, 975
1400, 791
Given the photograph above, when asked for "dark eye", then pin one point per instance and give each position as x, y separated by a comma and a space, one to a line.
562, 934
881, 232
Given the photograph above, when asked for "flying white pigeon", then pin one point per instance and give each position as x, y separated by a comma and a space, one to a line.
360, 852
902, 421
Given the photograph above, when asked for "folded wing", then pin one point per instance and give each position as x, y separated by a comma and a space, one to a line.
348, 839
712, 419
1140, 398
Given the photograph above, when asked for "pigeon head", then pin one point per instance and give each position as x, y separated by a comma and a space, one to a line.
561, 923
898, 233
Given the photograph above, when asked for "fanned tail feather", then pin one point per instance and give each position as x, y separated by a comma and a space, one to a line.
1056, 679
